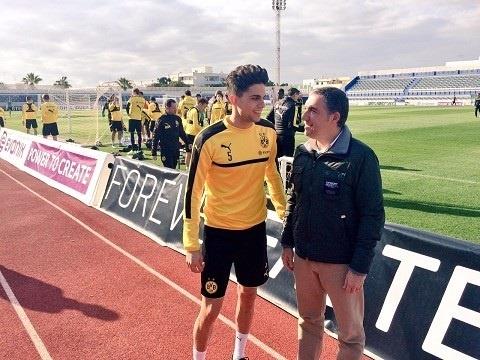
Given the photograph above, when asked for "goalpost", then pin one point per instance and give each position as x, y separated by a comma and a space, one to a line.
71, 101
103, 92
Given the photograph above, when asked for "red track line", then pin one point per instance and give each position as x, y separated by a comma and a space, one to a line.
82, 265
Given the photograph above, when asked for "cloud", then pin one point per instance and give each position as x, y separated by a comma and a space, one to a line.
90, 41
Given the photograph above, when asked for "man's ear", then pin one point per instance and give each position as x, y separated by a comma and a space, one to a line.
335, 117
233, 99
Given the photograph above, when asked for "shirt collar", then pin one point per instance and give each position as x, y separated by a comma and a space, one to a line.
338, 146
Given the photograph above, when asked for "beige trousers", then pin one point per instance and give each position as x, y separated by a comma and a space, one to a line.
314, 280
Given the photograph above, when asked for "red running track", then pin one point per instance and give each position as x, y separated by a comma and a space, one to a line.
89, 287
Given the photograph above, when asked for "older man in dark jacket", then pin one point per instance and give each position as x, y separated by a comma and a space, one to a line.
333, 221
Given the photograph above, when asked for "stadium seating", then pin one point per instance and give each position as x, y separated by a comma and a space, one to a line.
427, 88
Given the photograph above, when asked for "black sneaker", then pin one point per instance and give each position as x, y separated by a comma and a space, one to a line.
244, 358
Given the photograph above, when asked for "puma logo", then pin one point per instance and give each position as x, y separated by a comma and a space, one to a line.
227, 146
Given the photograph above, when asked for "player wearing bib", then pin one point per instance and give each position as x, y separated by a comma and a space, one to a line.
231, 160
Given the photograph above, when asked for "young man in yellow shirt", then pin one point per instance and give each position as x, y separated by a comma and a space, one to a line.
194, 123
29, 115
235, 206
49, 112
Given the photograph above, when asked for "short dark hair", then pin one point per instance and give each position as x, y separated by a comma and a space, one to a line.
153, 98
136, 91
244, 76
293, 91
29, 98
188, 93
169, 102
203, 101
198, 95
336, 101
45, 97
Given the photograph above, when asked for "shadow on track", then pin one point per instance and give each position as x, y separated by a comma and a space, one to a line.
40, 296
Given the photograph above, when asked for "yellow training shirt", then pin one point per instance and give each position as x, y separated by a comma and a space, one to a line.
217, 112
230, 166
193, 123
136, 103
155, 111
2, 112
115, 111
49, 111
186, 104
29, 112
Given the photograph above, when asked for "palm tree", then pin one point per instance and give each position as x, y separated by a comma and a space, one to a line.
124, 83
63, 83
163, 81
31, 79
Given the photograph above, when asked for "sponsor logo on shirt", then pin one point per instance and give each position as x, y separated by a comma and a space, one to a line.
263, 140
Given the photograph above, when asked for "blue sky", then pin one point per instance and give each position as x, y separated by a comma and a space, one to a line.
93, 41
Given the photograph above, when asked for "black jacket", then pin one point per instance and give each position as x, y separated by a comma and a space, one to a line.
335, 208
284, 114
168, 130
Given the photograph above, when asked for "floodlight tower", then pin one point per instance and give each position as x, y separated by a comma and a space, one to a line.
278, 6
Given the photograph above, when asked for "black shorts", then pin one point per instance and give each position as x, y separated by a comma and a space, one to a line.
246, 249
31, 123
50, 129
189, 144
135, 125
2, 123
116, 126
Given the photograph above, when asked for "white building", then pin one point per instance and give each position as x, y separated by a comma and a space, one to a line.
199, 77
338, 82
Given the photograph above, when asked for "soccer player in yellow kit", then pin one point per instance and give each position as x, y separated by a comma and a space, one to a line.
194, 122
155, 112
29, 115
217, 110
116, 126
134, 110
49, 111
186, 104
235, 206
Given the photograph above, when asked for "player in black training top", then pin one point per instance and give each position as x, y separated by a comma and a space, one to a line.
167, 131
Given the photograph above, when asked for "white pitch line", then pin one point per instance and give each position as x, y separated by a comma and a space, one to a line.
408, 173
39, 345
155, 273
